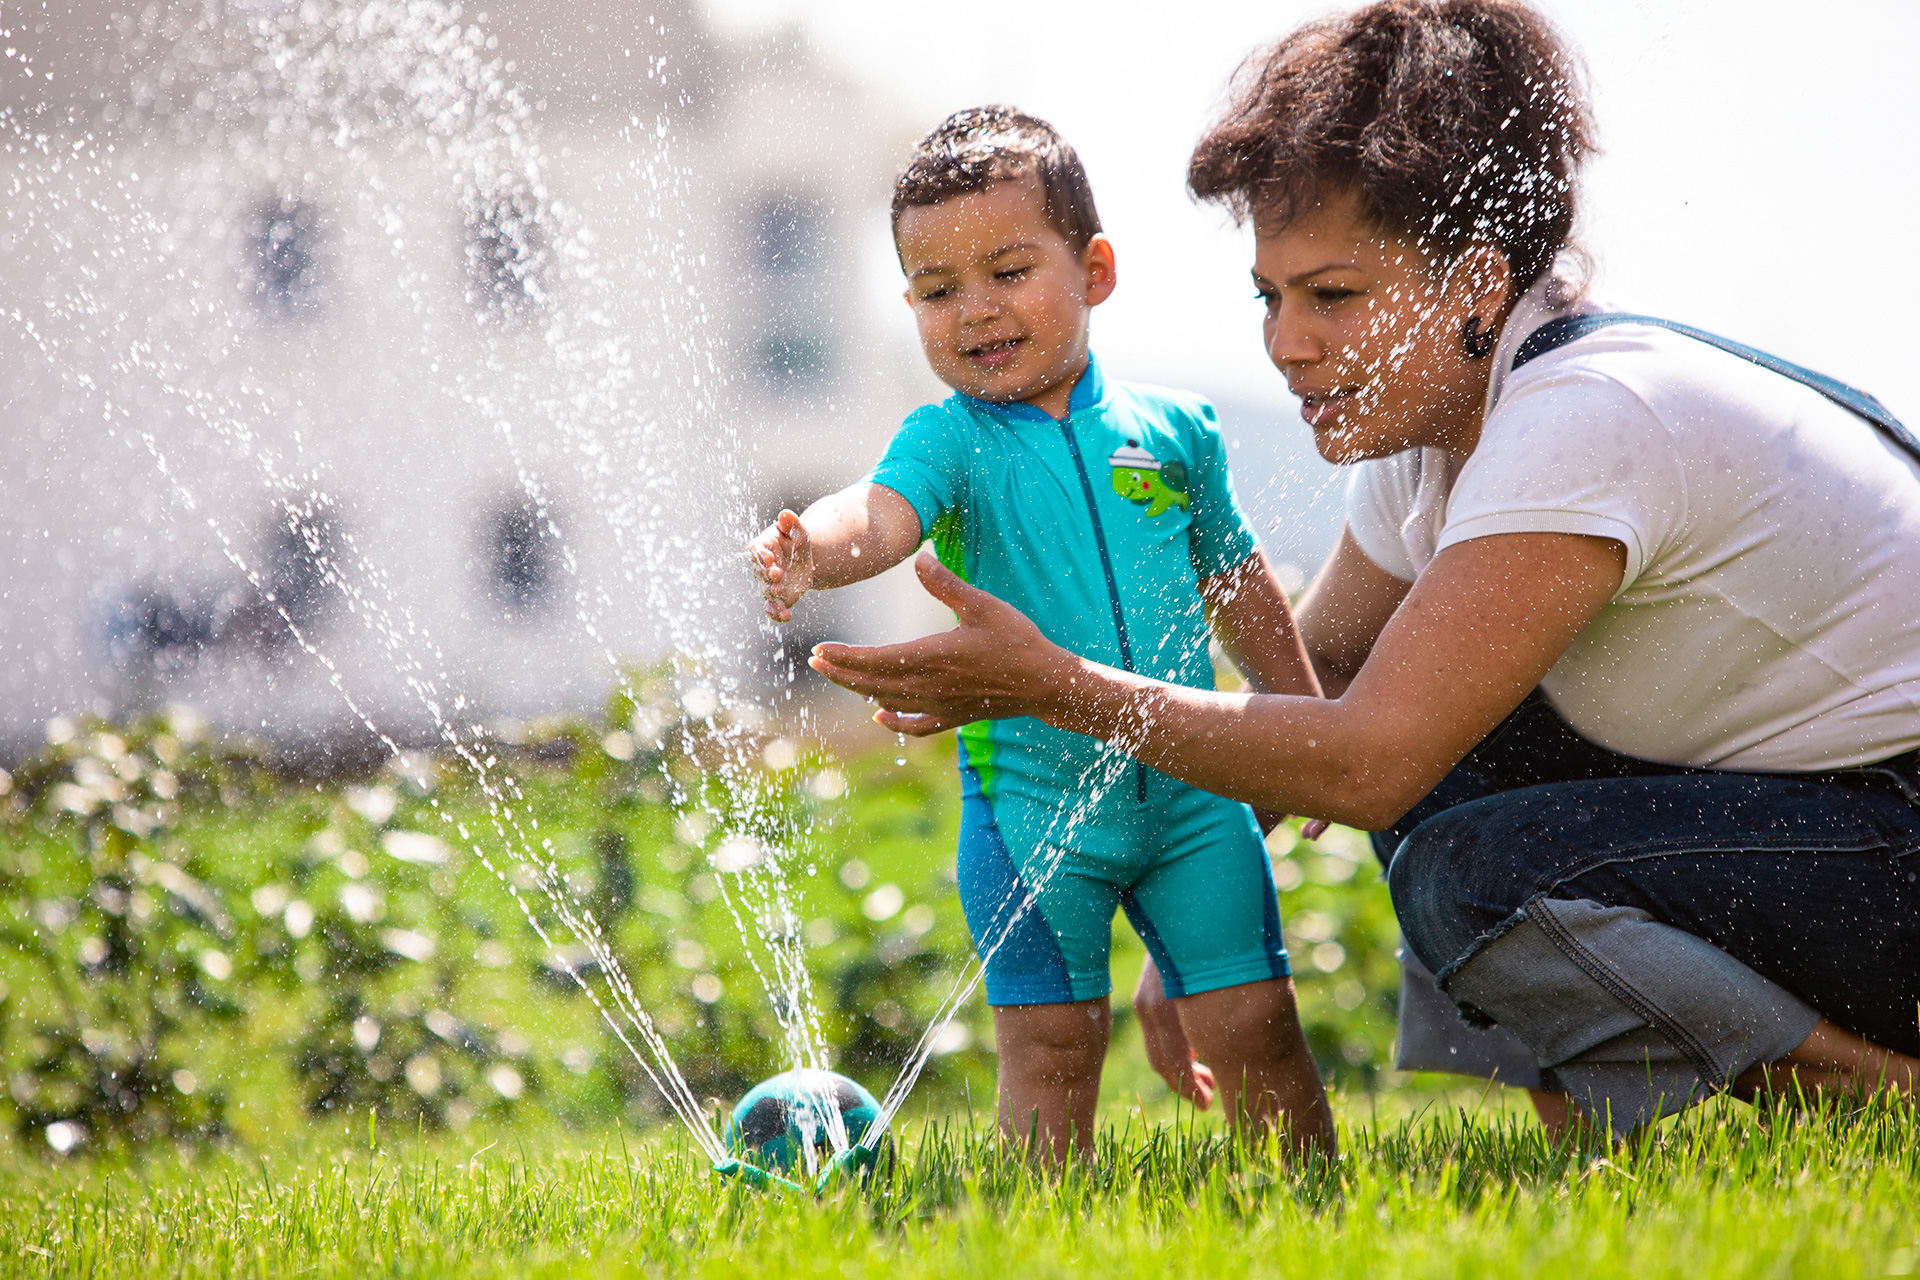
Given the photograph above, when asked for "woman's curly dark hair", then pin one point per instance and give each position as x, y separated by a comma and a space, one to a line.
1452, 120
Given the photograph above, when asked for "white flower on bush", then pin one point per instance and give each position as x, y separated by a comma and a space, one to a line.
64, 1135
416, 847
413, 945
423, 1073
738, 853
373, 804
361, 903
506, 1081
883, 903
366, 1033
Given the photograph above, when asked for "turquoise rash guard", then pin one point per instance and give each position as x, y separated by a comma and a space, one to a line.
1099, 526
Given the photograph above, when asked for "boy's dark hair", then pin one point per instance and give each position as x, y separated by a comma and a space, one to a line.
1452, 120
973, 149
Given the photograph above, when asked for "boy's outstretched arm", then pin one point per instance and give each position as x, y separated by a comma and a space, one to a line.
845, 537
1249, 613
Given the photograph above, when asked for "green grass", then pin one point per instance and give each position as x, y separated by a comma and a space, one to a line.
578, 1177
1724, 1192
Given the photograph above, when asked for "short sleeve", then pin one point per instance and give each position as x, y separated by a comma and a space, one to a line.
1220, 537
1573, 451
926, 464
1380, 500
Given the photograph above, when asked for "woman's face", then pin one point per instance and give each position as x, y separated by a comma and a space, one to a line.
1369, 331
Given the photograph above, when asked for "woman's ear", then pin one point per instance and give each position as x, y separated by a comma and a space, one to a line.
1099, 265
1485, 276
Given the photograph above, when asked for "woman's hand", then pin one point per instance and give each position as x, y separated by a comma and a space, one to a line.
993, 665
1167, 1050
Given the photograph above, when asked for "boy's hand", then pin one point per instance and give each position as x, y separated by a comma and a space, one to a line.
1166, 1042
1311, 829
783, 560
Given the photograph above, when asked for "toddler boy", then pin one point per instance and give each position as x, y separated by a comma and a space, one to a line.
1104, 512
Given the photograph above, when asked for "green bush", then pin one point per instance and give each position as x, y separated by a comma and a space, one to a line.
197, 946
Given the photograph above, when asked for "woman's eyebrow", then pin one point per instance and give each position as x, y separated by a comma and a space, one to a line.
1305, 276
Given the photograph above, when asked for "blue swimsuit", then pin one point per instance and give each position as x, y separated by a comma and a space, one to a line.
1100, 527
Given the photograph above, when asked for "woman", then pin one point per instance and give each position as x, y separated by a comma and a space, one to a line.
1691, 861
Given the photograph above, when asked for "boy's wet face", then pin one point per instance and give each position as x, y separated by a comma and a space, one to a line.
1001, 299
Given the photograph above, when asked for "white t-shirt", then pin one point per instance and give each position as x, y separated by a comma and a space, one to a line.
1769, 617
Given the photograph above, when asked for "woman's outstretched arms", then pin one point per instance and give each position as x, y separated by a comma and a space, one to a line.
1485, 622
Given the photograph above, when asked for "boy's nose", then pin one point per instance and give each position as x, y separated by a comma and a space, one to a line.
979, 310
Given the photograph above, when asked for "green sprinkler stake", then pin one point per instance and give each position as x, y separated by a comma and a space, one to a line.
756, 1177
856, 1161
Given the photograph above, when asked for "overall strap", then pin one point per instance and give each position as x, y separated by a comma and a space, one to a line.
1558, 333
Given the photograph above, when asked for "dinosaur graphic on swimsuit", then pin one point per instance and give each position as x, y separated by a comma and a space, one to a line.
1138, 476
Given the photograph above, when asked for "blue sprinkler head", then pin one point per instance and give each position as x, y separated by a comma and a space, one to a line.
754, 1176
857, 1161
778, 1119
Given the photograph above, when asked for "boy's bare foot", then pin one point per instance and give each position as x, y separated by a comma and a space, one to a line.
1555, 1111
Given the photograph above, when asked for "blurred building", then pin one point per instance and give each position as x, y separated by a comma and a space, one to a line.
387, 363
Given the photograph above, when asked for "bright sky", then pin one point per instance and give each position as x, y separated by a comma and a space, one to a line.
1760, 173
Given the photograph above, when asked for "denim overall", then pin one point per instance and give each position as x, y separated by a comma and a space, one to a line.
1638, 934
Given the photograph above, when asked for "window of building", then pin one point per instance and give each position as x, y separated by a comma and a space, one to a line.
791, 346
794, 357
302, 562
790, 235
148, 628
509, 257
287, 254
522, 555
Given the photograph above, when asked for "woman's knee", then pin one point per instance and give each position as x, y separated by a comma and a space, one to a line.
1449, 887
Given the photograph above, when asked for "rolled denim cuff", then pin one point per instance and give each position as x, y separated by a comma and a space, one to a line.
1633, 1018
1434, 1037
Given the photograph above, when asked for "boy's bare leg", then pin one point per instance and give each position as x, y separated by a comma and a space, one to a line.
1250, 1035
1831, 1060
1050, 1060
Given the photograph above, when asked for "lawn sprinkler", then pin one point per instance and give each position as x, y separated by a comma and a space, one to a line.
857, 1163
780, 1120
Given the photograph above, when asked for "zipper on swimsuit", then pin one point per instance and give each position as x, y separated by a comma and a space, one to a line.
1113, 585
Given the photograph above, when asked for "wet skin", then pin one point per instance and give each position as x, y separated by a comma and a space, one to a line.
1000, 298
1368, 332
